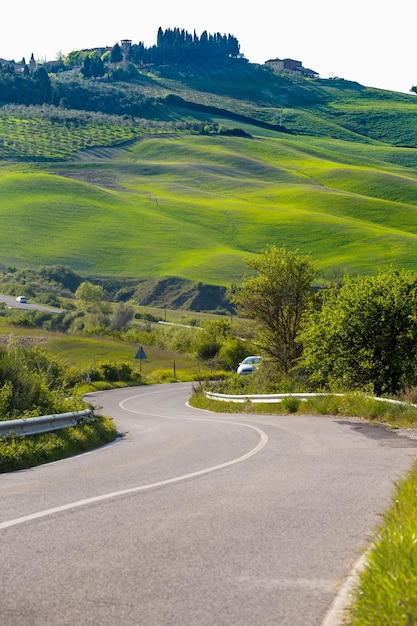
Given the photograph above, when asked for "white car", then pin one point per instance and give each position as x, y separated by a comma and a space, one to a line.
249, 364
21, 299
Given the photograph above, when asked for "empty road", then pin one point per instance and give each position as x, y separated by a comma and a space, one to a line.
194, 518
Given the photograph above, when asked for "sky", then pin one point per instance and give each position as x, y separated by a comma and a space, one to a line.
360, 40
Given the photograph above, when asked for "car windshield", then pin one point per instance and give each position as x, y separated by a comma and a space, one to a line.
252, 359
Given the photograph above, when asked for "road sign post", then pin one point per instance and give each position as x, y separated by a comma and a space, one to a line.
141, 355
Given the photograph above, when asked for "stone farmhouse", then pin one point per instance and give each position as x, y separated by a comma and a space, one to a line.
290, 65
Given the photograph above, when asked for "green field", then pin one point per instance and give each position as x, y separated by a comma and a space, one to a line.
145, 199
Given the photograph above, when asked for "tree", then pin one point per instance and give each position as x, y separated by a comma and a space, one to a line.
43, 83
86, 68
89, 294
97, 66
91, 301
365, 334
122, 316
116, 55
232, 352
276, 298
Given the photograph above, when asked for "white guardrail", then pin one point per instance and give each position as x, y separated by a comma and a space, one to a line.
43, 424
278, 397
268, 398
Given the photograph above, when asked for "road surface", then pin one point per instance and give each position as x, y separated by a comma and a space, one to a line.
12, 303
194, 518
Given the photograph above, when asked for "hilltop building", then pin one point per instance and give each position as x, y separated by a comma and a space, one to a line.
125, 45
290, 65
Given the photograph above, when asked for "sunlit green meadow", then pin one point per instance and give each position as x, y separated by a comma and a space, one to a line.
196, 206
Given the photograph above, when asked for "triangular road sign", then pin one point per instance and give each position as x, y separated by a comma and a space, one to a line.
140, 354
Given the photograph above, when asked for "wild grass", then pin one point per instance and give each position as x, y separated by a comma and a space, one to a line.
18, 453
82, 354
386, 592
392, 415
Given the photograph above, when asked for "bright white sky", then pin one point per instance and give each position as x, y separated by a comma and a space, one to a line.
362, 40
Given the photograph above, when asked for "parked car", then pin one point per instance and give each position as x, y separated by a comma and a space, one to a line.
21, 299
249, 364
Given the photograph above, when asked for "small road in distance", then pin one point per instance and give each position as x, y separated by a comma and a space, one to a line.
12, 303
195, 518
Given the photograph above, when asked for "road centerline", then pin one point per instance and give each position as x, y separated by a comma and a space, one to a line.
263, 440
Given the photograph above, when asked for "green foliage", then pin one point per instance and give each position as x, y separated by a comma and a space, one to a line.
33, 383
116, 54
290, 404
276, 298
112, 371
386, 592
208, 350
233, 350
392, 414
88, 293
364, 334
23, 452
334, 183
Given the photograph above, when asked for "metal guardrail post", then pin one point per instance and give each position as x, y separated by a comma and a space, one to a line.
43, 424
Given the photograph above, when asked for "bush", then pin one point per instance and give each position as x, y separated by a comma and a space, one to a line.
112, 371
32, 383
50, 299
290, 404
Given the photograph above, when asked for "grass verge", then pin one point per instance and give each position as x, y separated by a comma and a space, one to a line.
392, 415
386, 594
18, 453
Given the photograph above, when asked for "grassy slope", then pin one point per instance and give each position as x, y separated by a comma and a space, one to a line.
195, 206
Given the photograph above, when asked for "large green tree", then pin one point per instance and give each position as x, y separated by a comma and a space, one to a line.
89, 294
275, 298
364, 335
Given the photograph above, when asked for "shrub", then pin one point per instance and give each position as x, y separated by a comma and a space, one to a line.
112, 371
290, 404
32, 383
208, 350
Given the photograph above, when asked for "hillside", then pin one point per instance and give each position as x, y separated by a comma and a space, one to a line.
221, 162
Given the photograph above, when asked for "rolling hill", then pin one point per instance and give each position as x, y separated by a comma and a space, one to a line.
227, 160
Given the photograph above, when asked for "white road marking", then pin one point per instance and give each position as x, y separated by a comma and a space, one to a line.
263, 439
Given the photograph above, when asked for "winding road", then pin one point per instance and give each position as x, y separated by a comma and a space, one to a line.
194, 518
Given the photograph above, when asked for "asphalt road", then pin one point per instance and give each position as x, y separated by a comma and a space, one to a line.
195, 519
12, 303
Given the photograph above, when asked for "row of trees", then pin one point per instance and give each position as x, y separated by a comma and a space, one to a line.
179, 46
40, 88
25, 88
361, 335
173, 46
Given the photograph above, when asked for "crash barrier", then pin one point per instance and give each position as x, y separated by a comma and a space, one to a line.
278, 397
268, 398
43, 424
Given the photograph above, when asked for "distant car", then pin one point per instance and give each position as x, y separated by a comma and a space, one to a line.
249, 364
21, 299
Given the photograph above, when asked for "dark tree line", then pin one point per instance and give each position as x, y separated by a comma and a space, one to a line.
25, 88
179, 46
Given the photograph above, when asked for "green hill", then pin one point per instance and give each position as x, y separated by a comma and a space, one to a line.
224, 161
